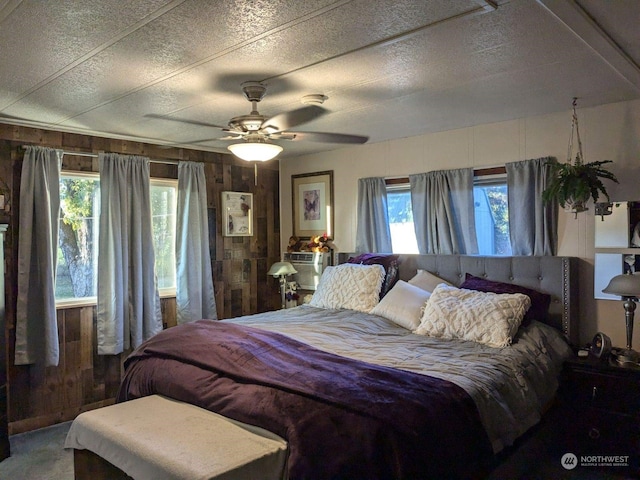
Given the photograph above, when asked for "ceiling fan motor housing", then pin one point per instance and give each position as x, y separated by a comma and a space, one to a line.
247, 123
254, 91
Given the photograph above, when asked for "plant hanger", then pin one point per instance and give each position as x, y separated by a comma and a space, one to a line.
575, 128
573, 183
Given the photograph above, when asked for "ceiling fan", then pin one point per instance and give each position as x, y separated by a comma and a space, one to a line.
256, 131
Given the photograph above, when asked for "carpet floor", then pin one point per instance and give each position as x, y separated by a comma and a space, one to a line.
39, 455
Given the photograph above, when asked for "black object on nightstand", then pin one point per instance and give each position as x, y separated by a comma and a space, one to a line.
600, 421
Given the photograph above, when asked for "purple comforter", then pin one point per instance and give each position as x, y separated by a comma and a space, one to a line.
342, 418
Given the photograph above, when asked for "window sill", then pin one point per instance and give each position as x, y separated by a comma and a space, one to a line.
92, 301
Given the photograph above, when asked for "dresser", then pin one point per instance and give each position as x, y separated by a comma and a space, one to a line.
600, 404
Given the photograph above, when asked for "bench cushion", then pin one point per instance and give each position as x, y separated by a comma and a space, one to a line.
156, 437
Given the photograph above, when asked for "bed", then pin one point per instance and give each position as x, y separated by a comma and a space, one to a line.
358, 395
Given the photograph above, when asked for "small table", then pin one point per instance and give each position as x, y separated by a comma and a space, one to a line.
600, 422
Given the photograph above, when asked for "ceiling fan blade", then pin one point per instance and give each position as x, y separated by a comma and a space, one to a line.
184, 120
292, 118
238, 136
326, 137
282, 136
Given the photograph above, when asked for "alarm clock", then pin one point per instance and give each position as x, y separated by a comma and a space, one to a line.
600, 346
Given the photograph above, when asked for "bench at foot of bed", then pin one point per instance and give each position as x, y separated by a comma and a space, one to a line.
159, 438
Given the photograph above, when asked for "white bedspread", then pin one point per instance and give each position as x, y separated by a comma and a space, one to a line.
511, 386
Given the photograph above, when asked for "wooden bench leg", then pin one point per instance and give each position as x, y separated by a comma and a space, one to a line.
89, 466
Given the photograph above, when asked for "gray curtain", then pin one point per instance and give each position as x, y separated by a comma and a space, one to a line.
36, 323
533, 226
128, 300
443, 213
194, 282
373, 233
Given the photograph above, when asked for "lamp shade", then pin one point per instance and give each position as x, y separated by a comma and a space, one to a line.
255, 151
281, 268
626, 285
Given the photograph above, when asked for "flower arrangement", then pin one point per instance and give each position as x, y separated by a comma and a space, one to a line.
289, 296
318, 243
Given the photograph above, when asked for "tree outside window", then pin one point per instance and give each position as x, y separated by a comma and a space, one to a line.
76, 276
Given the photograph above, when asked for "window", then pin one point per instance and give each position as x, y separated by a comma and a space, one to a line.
491, 212
163, 212
403, 235
76, 276
491, 216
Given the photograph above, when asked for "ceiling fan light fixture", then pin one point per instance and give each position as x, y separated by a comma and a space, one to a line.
255, 151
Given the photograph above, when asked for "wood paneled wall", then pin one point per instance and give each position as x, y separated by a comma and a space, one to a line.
84, 380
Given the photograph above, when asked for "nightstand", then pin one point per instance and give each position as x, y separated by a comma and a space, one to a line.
600, 405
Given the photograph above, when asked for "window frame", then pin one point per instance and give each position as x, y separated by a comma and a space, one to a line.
168, 292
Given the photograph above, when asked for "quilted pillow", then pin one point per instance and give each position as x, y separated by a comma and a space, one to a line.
403, 305
427, 280
489, 318
539, 301
388, 261
352, 286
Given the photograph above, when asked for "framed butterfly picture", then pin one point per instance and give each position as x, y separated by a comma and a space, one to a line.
312, 204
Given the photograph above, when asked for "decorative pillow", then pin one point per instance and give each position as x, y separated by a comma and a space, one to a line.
539, 301
489, 318
427, 280
356, 287
403, 305
388, 261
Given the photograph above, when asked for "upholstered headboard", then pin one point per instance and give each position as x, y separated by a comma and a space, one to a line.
556, 276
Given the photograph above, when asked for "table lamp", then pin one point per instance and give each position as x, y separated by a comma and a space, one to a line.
628, 287
282, 270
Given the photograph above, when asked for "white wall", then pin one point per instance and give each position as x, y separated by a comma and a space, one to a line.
609, 132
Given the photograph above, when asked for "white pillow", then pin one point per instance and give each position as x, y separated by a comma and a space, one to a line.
483, 317
403, 305
427, 280
350, 285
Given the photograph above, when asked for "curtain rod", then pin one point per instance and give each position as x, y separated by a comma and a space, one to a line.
95, 155
477, 172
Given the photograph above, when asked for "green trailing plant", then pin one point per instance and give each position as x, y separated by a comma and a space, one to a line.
574, 183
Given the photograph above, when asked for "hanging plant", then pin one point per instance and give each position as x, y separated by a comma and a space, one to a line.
575, 182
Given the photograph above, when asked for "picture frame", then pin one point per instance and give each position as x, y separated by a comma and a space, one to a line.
312, 204
237, 214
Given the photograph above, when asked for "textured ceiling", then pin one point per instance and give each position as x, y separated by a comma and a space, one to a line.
391, 68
